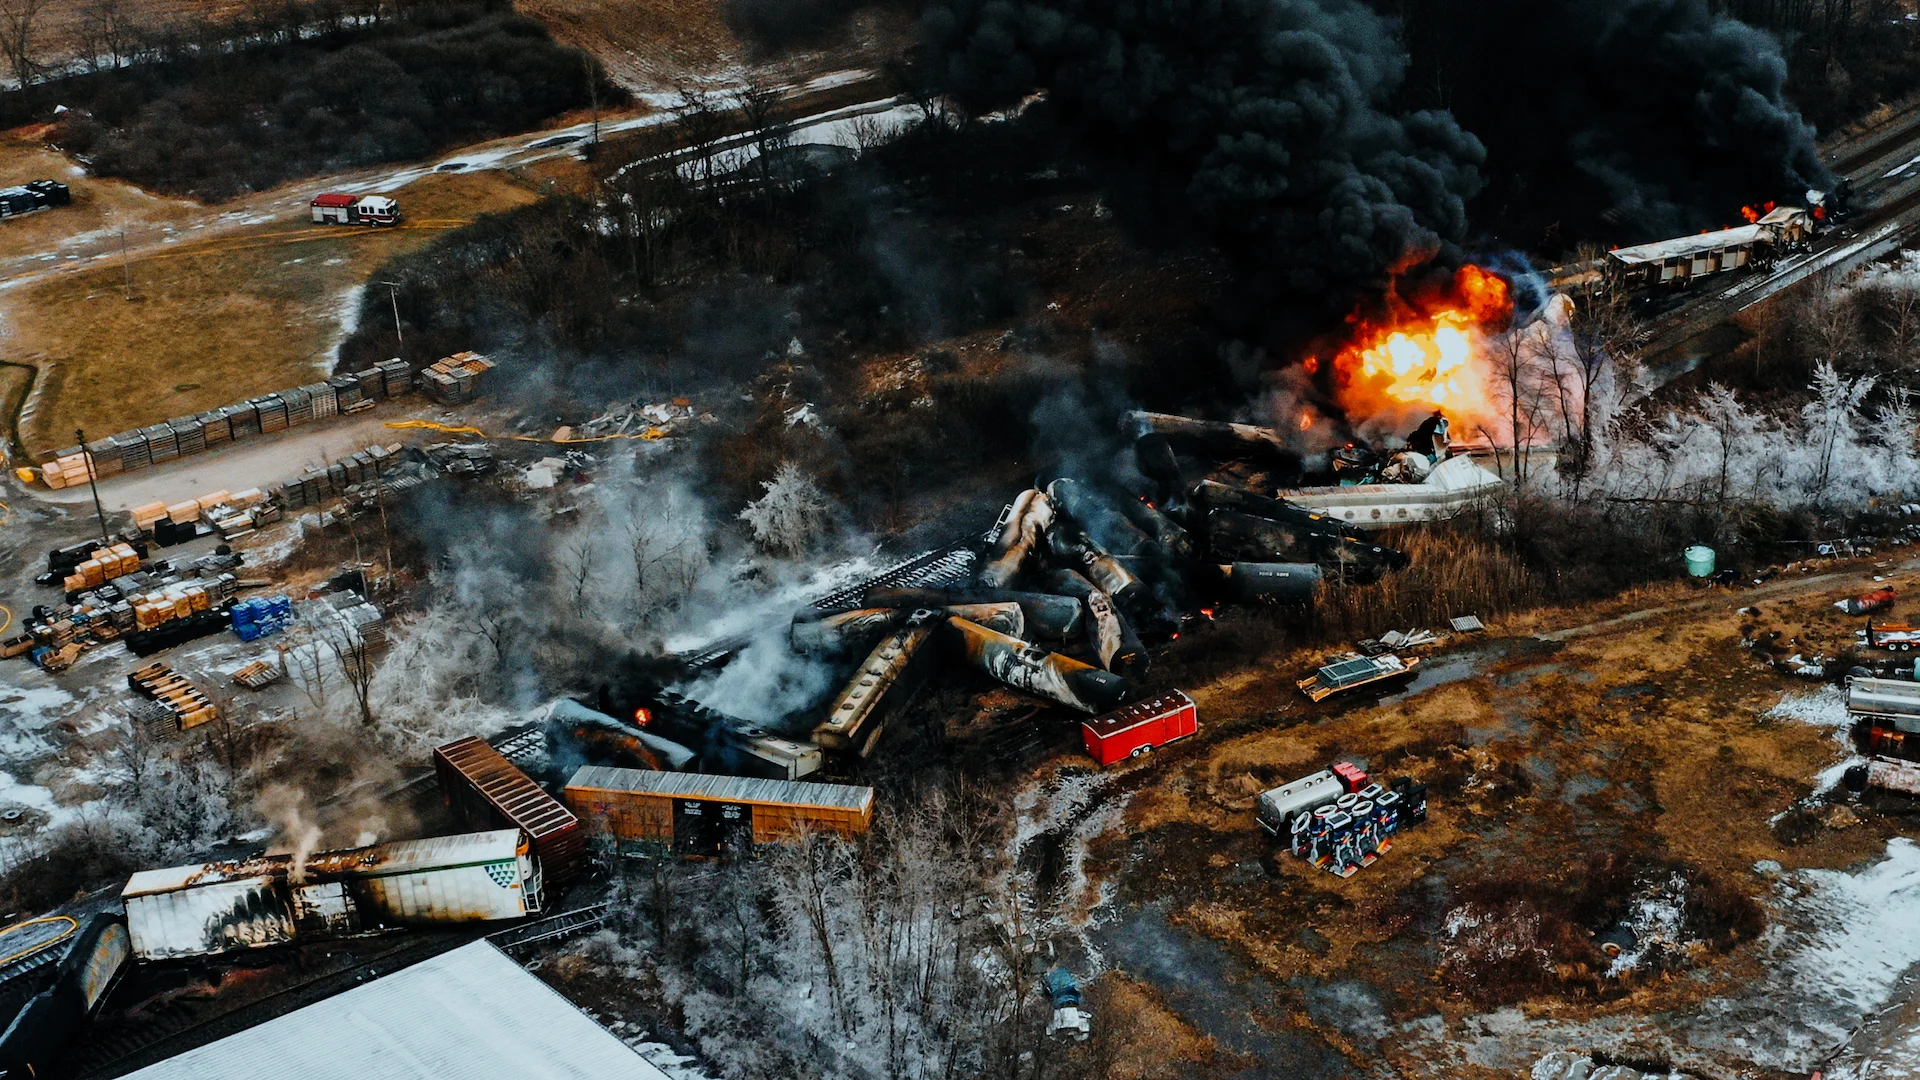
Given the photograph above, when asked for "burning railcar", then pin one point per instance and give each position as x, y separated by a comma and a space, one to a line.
211, 908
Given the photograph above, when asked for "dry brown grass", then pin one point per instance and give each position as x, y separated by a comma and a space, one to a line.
215, 321
1452, 573
1659, 719
1139, 1037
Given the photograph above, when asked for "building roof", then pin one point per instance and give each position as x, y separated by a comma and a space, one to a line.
469, 1014
1681, 246
744, 789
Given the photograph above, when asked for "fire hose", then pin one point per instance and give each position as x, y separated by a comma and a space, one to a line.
649, 435
72, 925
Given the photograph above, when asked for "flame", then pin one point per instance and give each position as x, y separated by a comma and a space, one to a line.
643, 716
1420, 360
1755, 213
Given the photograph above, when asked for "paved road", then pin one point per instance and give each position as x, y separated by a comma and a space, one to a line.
237, 223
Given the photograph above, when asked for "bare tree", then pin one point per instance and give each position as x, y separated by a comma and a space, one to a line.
700, 128
577, 557
20, 38
108, 34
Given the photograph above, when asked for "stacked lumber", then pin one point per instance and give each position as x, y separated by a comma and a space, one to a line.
168, 688
105, 564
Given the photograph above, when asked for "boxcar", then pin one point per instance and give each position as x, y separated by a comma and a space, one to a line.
489, 792
698, 814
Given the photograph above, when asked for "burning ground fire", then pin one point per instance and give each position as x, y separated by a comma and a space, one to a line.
1424, 355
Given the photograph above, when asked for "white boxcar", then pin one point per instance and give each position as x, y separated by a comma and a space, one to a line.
248, 903
183, 911
473, 877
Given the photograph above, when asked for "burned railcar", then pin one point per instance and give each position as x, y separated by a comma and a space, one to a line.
709, 815
219, 907
490, 792
1681, 260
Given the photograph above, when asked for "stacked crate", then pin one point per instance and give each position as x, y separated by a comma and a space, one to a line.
133, 450
262, 616
372, 383
105, 565
146, 515
215, 429
244, 419
398, 375
106, 457
272, 411
188, 435
161, 444
456, 378
346, 392
299, 406
325, 403
66, 470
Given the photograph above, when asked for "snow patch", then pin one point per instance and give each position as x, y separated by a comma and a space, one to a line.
1858, 939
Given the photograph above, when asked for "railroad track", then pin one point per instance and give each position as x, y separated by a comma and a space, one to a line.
553, 928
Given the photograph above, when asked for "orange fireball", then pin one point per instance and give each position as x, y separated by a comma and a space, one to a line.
1417, 360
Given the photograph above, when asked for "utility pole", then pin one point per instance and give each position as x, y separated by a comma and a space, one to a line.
126, 267
98, 511
393, 295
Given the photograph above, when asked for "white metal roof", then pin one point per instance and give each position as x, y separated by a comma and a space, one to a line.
728, 788
1680, 246
469, 1014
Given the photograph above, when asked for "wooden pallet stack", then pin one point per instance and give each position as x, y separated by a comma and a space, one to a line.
189, 705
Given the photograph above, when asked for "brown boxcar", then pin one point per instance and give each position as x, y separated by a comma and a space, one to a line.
488, 791
704, 815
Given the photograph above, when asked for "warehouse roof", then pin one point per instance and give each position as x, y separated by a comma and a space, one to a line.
745, 789
469, 1014
1682, 246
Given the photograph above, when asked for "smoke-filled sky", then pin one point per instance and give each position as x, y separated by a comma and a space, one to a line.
1263, 126
1284, 132
1657, 113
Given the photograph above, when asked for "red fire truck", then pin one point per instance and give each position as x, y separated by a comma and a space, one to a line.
336, 209
1135, 729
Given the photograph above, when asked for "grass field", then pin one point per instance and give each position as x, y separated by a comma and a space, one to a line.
218, 320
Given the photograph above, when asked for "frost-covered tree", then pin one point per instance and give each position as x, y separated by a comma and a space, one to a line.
792, 516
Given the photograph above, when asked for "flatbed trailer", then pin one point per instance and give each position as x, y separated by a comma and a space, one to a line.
1351, 674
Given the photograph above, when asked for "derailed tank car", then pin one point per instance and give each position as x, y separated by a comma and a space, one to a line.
221, 907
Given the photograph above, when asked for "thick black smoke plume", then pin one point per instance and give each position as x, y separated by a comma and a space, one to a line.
1264, 127
1622, 120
